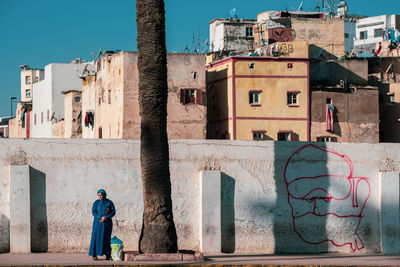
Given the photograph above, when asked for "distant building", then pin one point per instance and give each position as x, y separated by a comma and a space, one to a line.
110, 99
48, 100
4, 128
258, 98
370, 31
327, 37
21, 124
231, 35
70, 126
29, 77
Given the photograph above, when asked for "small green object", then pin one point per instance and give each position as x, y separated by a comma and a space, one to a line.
117, 247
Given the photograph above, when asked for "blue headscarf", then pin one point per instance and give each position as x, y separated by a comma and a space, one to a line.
102, 192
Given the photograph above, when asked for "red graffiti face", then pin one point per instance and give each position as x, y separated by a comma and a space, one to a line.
331, 203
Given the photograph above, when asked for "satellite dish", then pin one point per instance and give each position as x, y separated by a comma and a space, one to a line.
232, 13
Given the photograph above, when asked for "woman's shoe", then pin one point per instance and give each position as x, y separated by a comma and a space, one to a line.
95, 258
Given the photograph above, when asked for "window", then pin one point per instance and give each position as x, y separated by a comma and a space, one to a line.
35, 79
326, 139
48, 115
249, 31
258, 135
41, 119
194, 75
109, 96
378, 32
191, 96
286, 136
346, 35
290, 65
28, 93
27, 79
254, 97
392, 99
77, 99
251, 65
363, 35
292, 98
34, 119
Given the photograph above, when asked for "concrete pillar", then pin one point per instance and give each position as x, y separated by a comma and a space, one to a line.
20, 209
210, 212
390, 212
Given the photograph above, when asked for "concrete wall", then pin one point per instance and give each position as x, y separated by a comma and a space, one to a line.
267, 204
332, 72
350, 34
325, 34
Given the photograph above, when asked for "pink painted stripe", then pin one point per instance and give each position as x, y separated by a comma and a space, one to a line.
308, 102
273, 76
272, 118
233, 99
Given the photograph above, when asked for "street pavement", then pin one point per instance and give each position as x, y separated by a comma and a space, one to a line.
328, 259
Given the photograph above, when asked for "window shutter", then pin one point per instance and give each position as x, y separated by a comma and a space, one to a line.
199, 97
182, 96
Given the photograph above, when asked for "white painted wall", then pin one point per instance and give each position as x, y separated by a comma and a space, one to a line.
216, 36
48, 95
256, 212
370, 24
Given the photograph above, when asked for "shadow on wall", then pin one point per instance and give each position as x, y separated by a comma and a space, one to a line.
300, 221
227, 214
4, 234
39, 227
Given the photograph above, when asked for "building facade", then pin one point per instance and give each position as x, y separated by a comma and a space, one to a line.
258, 98
370, 31
110, 105
345, 114
28, 78
48, 100
231, 35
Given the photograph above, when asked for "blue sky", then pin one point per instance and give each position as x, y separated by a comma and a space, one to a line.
41, 32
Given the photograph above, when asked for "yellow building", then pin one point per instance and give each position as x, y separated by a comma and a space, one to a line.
258, 98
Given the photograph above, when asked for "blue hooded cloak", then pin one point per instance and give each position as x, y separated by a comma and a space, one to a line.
101, 232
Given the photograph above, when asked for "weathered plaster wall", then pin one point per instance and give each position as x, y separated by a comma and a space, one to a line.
58, 129
73, 107
325, 34
257, 216
356, 115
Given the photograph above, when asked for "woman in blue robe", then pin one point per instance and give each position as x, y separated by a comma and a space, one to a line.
103, 210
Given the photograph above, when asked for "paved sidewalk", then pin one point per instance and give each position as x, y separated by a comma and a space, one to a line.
331, 259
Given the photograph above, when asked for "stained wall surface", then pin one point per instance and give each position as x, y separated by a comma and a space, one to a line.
268, 202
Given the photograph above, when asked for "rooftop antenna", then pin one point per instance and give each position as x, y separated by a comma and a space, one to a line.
98, 54
300, 6
316, 6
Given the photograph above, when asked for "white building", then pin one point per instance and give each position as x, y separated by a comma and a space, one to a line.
369, 31
231, 35
48, 100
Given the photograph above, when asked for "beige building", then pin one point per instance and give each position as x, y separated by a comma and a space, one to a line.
70, 126
110, 105
28, 78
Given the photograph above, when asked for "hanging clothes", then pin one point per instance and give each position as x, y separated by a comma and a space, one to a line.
329, 117
87, 119
91, 119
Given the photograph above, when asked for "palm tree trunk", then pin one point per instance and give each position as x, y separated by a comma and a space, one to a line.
158, 230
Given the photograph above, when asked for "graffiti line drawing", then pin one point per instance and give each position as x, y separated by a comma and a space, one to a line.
316, 196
